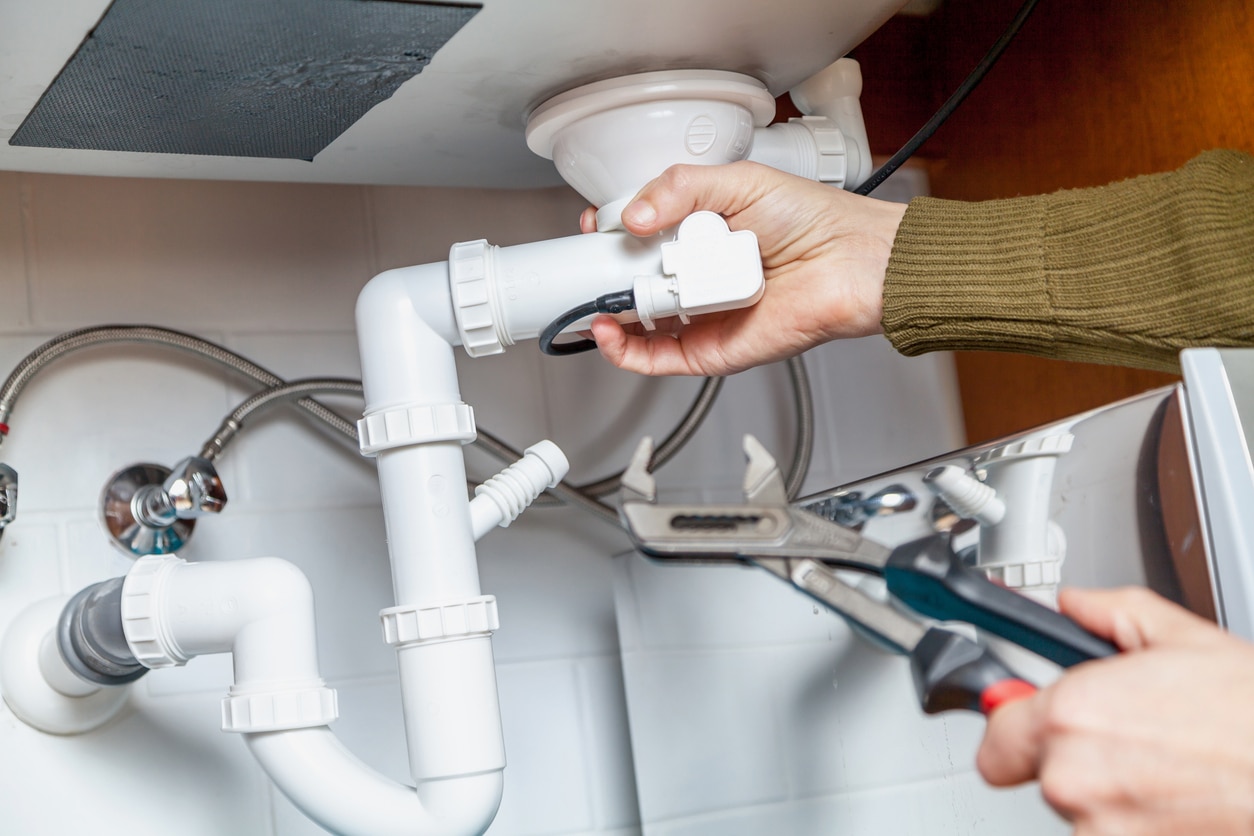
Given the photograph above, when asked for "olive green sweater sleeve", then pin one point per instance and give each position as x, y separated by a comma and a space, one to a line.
1128, 273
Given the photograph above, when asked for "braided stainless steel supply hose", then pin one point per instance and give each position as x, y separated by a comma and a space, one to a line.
100, 335
803, 404
279, 391
288, 391
673, 443
283, 393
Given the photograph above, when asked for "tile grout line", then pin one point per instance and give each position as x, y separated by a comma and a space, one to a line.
586, 745
370, 229
27, 215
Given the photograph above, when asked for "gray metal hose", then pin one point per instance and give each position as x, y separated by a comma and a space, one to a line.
73, 341
803, 404
670, 445
291, 390
282, 393
278, 391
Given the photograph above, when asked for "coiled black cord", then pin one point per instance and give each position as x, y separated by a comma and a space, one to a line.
610, 303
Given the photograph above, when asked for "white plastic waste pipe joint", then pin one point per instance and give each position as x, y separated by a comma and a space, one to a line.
414, 425
261, 610
609, 138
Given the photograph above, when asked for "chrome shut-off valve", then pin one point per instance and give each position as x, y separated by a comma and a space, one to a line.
8, 496
150, 509
194, 489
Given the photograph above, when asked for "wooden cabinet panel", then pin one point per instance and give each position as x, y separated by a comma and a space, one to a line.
1089, 93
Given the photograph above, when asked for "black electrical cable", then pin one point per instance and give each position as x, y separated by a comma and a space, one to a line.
610, 303
964, 89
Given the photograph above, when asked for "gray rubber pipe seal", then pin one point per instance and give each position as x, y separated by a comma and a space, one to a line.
90, 637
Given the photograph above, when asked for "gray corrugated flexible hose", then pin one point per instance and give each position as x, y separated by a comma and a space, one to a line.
803, 404
283, 393
73, 341
291, 390
280, 391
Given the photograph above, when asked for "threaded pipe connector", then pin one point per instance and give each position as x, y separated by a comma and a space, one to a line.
967, 496
500, 500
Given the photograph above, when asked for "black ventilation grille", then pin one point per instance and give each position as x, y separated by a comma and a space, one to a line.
237, 78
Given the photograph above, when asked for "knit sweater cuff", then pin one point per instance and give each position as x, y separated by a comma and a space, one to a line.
1128, 273
947, 277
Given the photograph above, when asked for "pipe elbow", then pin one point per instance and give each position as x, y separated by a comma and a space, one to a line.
409, 295
261, 610
342, 794
466, 804
276, 588
275, 639
405, 328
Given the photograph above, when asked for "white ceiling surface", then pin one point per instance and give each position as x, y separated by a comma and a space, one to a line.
460, 122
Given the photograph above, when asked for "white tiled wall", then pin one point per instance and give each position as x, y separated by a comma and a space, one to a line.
272, 271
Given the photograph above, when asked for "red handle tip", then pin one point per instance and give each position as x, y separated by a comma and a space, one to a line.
1000, 693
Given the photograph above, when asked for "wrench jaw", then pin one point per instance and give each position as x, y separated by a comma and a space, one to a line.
637, 483
674, 533
763, 483
700, 533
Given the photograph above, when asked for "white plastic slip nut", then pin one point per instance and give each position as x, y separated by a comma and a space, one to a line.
150, 645
406, 625
297, 708
474, 305
832, 163
1049, 445
1019, 576
833, 94
404, 426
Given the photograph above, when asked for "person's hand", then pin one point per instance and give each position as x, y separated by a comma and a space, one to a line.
1157, 740
824, 252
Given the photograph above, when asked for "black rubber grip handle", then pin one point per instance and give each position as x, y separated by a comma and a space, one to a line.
929, 578
952, 672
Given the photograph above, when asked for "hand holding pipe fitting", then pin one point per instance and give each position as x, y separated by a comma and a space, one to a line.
707, 268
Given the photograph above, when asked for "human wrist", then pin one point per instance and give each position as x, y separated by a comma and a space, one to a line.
877, 222
889, 220
967, 275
